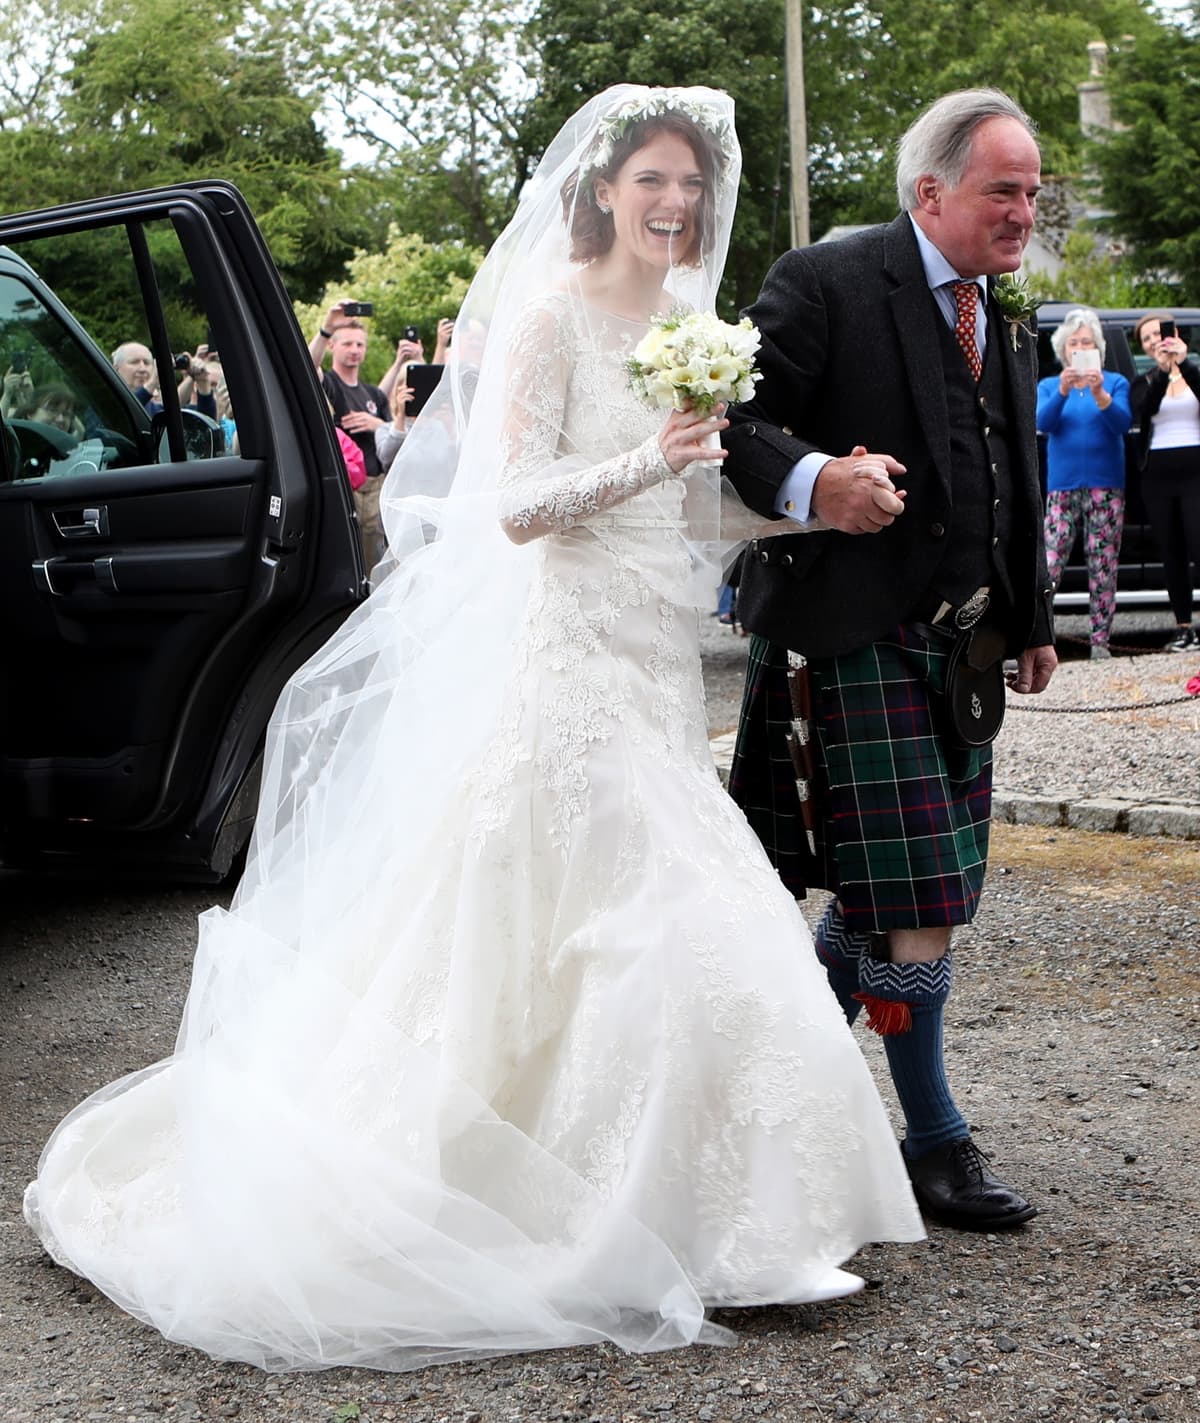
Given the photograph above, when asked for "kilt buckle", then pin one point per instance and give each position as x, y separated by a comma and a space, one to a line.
972, 610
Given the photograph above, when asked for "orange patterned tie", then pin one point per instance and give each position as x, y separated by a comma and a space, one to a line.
966, 296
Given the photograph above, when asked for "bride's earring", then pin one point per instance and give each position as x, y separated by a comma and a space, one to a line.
604, 208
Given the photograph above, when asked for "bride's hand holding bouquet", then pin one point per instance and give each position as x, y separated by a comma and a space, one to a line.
687, 436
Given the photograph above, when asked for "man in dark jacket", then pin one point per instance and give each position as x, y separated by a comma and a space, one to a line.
850, 764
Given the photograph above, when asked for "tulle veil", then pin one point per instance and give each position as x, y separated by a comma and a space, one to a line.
281, 1190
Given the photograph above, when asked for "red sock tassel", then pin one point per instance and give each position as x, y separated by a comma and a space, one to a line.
884, 1016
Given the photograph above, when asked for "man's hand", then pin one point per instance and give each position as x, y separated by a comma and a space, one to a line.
335, 316
407, 351
1035, 667
855, 493
356, 421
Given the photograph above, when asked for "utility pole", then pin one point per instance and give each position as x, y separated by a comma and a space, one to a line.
797, 122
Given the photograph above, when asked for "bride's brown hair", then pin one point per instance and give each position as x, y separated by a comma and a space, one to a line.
592, 230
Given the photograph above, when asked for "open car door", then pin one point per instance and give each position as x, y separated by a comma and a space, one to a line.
162, 570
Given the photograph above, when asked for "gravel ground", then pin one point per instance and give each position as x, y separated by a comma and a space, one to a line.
1073, 1041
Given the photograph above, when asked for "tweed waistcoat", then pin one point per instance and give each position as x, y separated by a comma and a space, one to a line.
981, 480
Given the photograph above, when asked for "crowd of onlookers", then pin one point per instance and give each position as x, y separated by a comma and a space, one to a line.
1085, 412
371, 421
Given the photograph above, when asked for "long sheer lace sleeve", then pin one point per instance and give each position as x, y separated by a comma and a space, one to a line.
546, 485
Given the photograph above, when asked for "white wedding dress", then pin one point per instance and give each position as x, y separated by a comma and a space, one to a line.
559, 1065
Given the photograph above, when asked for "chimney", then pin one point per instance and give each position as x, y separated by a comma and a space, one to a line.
1095, 112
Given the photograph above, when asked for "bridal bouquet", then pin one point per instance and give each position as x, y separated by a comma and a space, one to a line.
694, 359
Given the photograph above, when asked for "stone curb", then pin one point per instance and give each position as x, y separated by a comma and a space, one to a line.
1167, 818
1170, 819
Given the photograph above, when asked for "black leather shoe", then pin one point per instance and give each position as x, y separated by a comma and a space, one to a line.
953, 1183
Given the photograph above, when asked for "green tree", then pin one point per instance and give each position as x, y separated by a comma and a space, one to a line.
149, 92
871, 67
1091, 275
1148, 168
433, 92
411, 282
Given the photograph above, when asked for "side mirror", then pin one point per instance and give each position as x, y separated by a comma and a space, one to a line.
203, 438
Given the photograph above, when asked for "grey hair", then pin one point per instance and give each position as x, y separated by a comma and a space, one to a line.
119, 356
939, 140
1075, 318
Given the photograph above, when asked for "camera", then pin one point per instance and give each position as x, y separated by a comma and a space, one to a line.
412, 334
183, 362
1165, 328
358, 308
20, 361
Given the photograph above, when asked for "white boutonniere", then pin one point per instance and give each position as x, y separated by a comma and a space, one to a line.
1018, 302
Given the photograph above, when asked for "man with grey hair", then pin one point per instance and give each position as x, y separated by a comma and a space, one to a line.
897, 400
135, 365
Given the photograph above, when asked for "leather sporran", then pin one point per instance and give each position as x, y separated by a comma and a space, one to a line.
975, 685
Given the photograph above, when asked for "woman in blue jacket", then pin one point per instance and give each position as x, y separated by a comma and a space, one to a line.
1084, 413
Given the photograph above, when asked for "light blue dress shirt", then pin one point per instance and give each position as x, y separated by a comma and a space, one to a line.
794, 498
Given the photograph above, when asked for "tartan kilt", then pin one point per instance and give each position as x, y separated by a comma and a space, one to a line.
901, 814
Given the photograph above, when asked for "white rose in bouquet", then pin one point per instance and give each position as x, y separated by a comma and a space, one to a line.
695, 359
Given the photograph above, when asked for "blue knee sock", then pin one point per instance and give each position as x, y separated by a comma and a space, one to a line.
915, 1053
840, 951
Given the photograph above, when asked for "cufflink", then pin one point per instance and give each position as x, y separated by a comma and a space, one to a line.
790, 505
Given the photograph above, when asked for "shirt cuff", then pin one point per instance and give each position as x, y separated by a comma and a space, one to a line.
794, 499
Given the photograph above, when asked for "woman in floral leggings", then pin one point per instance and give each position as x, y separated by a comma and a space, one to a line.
1084, 414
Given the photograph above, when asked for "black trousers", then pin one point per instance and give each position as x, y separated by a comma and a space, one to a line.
1171, 494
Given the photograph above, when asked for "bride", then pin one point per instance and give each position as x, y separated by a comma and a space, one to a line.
511, 1038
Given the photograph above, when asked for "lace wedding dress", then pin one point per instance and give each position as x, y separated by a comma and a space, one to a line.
561, 1066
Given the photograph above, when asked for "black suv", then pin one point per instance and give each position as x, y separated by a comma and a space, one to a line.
161, 578
1140, 580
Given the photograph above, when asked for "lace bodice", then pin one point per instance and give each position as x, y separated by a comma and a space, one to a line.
577, 441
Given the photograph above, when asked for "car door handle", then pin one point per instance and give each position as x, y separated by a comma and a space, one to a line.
45, 570
41, 576
92, 523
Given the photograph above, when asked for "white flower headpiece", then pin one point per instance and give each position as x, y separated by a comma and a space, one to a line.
614, 126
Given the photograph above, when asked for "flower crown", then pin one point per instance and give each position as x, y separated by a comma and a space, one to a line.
614, 126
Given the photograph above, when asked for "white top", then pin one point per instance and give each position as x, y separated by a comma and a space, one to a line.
1176, 421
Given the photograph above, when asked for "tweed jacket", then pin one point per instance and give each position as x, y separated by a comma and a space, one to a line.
851, 355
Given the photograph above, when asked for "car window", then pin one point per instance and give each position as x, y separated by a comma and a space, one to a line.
80, 388
66, 417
